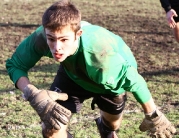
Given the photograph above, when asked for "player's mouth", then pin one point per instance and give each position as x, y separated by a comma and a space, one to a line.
58, 56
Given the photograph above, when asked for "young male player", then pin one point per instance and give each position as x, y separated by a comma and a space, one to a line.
94, 62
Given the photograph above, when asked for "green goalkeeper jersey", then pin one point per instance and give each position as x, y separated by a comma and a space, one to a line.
103, 63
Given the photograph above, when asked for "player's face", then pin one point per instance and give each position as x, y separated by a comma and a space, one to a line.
62, 43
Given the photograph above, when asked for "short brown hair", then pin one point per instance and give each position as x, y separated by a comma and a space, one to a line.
60, 14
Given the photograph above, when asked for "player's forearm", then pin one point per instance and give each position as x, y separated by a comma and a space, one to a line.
149, 106
22, 83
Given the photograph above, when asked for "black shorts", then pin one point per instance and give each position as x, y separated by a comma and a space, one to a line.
177, 11
76, 95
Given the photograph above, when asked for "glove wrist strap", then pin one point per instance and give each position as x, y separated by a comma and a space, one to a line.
28, 92
152, 115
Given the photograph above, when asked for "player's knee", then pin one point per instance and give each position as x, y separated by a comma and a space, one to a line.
112, 125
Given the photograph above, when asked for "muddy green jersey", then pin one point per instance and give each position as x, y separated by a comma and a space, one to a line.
103, 63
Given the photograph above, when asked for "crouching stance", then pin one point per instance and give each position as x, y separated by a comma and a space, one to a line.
94, 63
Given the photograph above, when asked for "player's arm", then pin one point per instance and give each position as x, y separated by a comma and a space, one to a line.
166, 5
22, 83
27, 54
155, 121
170, 13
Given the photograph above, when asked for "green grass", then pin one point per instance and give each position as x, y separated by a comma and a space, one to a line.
143, 27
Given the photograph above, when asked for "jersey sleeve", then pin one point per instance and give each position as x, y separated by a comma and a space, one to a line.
135, 83
127, 78
27, 54
166, 5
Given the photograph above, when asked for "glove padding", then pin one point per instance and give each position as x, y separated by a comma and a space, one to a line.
50, 112
158, 125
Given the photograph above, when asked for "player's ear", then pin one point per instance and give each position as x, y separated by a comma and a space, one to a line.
79, 33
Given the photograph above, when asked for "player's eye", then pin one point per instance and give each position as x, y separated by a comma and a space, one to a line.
64, 40
51, 39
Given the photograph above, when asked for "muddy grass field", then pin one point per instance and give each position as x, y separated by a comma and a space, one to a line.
140, 23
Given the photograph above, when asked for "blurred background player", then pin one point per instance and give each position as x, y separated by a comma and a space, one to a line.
171, 8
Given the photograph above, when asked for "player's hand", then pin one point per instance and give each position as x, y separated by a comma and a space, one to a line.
50, 112
158, 125
170, 14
